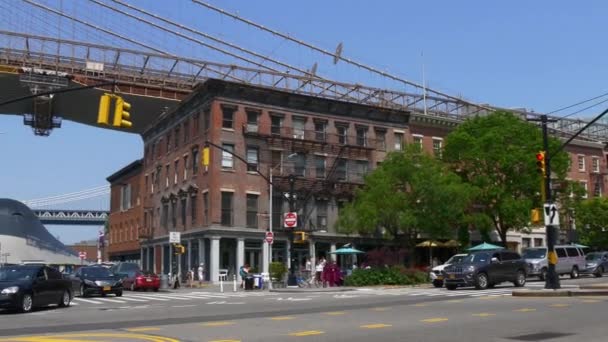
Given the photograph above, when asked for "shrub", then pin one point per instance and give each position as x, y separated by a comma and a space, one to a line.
277, 270
395, 275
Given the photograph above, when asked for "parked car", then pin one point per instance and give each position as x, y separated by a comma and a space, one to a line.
596, 263
125, 269
436, 274
485, 269
24, 287
571, 260
142, 280
96, 280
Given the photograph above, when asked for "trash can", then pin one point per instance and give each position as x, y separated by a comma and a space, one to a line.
258, 281
248, 283
164, 281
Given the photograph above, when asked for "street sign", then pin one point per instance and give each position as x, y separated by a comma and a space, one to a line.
290, 220
551, 215
175, 237
82, 255
269, 237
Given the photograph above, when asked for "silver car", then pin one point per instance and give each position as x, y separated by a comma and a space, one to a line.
571, 260
597, 263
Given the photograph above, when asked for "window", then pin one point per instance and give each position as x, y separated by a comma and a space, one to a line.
227, 208
252, 121
174, 213
228, 117
167, 169
227, 161
183, 211
252, 211
165, 215
206, 208
597, 189
125, 197
342, 134
275, 124
380, 139
596, 164
206, 120
561, 252
175, 169
525, 242
437, 148
362, 168
584, 186
276, 158
194, 161
277, 212
176, 137
195, 123
418, 141
185, 168
581, 162
320, 131
538, 242
193, 208
362, 136
398, 142
168, 142
320, 166
341, 169
506, 256
186, 131
252, 158
321, 215
298, 128
572, 252
300, 165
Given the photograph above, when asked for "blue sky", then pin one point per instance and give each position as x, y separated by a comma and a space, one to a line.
541, 55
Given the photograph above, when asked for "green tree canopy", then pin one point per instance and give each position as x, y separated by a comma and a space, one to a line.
409, 193
496, 154
592, 222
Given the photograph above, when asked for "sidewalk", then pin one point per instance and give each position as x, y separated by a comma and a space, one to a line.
583, 290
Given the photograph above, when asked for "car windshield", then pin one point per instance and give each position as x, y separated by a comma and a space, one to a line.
593, 256
477, 257
16, 273
455, 259
96, 272
538, 253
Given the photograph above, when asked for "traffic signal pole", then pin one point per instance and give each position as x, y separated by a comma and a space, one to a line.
291, 279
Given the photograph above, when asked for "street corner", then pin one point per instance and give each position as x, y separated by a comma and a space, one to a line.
541, 293
92, 337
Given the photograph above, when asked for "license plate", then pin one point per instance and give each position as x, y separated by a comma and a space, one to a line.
452, 276
148, 280
107, 288
439, 277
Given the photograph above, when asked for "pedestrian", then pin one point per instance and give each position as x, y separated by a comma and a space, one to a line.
201, 274
319, 271
244, 272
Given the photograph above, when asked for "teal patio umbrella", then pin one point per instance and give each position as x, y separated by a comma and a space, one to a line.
346, 251
484, 247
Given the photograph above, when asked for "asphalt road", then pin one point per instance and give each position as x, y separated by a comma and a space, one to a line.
412, 314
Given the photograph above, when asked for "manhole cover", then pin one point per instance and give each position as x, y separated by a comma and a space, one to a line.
541, 336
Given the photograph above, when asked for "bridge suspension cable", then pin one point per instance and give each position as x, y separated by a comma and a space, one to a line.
69, 197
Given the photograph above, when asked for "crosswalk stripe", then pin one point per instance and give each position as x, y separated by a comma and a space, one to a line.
111, 300
152, 298
87, 301
133, 299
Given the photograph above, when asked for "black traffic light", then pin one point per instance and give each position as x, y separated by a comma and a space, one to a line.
540, 163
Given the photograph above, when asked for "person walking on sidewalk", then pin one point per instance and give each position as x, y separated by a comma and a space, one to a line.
201, 274
244, 272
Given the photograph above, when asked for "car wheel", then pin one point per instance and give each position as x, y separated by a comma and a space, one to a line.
119, 294
574, 273
132, 287
520, 279
437, 283
65, 300
491, 285
543, 274
82, 291
451, 287
481, 281
156, 289
600, 272
27, 303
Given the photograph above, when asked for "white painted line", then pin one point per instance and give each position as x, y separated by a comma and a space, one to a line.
152, 298
87, 300
133, 299
111, 300
183, 306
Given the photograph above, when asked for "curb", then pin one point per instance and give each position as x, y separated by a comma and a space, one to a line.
594, 287
306, 290
559, 293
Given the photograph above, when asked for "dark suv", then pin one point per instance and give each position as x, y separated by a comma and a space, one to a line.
486, 269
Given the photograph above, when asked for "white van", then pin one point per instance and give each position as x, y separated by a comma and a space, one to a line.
571, 260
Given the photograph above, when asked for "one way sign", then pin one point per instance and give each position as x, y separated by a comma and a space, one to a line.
551, 215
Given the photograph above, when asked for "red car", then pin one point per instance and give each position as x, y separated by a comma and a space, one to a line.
142, 280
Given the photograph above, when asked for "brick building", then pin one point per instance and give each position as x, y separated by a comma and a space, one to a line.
222, 211
126, 213
89, 247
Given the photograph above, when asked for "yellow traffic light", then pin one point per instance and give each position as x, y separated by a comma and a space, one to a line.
300, 237
179, 249
206, 156
535, 216
121, 113
540, 163
103, 118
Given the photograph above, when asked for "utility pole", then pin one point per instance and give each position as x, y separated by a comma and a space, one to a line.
291, 279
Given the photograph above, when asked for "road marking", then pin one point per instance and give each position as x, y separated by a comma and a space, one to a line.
143, 329
183, 306
307, 333
133, 299
420, 305
559, 305
152, 298
74, 337
525, 310
484, 314
225, 341
282, 318
380, 309
111, 300
217, 324
454, 301
87, 301
335, 313
434, 320
375, 326
591, 301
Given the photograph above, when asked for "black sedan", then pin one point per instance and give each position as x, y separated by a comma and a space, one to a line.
26, 287
96, 281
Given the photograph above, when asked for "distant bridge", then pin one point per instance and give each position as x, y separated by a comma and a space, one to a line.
72, 217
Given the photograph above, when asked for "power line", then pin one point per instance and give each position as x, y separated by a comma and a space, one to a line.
584, 109
576, 104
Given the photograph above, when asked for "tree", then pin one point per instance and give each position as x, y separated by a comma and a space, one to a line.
592, 222
496, 154
409, 193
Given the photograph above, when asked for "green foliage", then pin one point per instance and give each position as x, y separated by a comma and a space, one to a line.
277, 270
395, 275
409, 193
464, 238
592, 222
496, 154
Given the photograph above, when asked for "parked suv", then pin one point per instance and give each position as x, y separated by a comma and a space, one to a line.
485, 269
597, 263
571, 260
436, 273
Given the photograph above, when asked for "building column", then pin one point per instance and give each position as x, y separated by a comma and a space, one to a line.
332, 249
288, 254
312, 251
141, 257
265, 257
201, 255
240, 256
162, 259
214, 260
189, 254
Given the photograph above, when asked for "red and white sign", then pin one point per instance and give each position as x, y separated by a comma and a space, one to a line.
82, 255
269, 237
290, 220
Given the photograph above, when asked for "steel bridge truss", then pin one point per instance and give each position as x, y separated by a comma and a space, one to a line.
72, 217
170, 76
